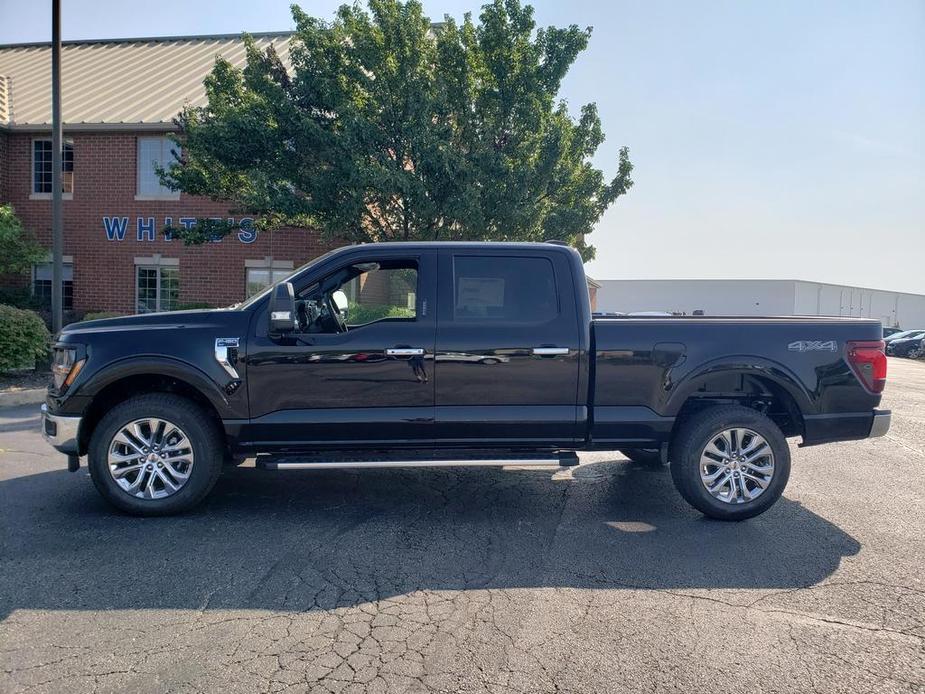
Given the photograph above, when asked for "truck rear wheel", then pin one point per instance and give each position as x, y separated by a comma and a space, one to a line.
155, 455
730, 462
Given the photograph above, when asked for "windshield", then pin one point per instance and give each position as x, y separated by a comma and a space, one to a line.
247, 303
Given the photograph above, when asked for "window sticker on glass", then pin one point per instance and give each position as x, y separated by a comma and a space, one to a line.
478, 295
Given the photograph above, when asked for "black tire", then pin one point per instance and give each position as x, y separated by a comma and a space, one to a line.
205, 438
644, 456
693, 437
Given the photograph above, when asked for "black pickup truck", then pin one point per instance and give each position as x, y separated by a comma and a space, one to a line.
453, 354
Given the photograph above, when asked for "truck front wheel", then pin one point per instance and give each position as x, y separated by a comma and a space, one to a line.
730, 462
155, 455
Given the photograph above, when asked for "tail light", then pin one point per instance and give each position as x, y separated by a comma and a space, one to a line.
868, 361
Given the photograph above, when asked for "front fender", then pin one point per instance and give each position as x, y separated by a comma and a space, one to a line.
155, 366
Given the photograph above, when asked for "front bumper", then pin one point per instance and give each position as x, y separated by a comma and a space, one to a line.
881, 423
61, 432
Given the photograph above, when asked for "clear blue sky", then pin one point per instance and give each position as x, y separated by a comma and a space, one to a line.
771, 139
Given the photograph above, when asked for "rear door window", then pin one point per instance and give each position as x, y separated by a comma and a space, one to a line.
505, 289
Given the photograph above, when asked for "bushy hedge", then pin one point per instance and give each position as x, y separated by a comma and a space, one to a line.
20, 297
360, 314
97, 315
192, 305
24, 339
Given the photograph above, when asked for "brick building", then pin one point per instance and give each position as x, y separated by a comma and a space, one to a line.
119, 98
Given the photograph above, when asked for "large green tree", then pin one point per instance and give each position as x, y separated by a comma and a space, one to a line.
20, 248
390, 128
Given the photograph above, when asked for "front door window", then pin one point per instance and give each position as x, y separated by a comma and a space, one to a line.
373, 291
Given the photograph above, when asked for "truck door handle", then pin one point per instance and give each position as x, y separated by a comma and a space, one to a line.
404, 352
549, 351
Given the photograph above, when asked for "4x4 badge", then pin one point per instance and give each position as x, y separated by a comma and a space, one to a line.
813, 346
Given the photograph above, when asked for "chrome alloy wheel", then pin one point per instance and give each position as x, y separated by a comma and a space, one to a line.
736, 466
150, 458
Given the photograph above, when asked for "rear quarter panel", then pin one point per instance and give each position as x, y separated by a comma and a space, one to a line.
657, 364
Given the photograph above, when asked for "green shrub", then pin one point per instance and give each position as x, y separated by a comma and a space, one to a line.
24, 339
97, 315
21, 250
20, 297
360, 314
192, 305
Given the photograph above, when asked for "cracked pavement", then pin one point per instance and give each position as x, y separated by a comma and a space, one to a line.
596, 579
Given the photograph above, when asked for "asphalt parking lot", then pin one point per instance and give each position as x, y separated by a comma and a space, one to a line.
598, 579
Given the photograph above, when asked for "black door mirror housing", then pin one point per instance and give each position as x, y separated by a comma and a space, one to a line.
282, 309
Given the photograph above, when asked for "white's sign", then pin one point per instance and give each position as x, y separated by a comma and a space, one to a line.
146, 228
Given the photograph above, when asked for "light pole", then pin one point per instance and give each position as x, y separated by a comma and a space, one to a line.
57, 217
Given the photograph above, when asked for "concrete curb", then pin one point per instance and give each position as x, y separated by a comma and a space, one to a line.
33, 396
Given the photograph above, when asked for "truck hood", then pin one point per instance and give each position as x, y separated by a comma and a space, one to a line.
154, 321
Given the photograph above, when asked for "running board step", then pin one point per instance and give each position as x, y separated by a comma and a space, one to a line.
394, 459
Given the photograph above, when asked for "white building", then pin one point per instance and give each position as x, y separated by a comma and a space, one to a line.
761, 298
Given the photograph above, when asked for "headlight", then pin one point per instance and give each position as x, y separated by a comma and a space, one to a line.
65, 367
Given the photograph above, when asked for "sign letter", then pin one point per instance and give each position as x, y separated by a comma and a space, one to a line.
115, 227
146, 229
215, 237
247, 233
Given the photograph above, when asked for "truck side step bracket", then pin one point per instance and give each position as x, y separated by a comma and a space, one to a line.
396, 460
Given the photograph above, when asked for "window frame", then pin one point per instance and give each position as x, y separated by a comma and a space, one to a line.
266, 265
158, 267
272, 273
66, 262
166, 194
66, 143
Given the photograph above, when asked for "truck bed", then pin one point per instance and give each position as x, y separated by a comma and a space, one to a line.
646, 367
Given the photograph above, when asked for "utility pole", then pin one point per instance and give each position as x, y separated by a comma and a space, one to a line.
57, 217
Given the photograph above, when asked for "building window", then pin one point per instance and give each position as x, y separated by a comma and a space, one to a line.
157, 285
42, 169
260, 274
42, 283
154, 152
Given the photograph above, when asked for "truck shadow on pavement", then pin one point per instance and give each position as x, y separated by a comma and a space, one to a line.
296, 541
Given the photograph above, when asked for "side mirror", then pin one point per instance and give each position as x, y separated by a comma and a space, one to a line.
282, 309
339, 299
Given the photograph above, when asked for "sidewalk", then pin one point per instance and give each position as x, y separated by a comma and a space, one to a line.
31, 396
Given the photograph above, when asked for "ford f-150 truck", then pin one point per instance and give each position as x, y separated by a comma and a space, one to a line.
429, 354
